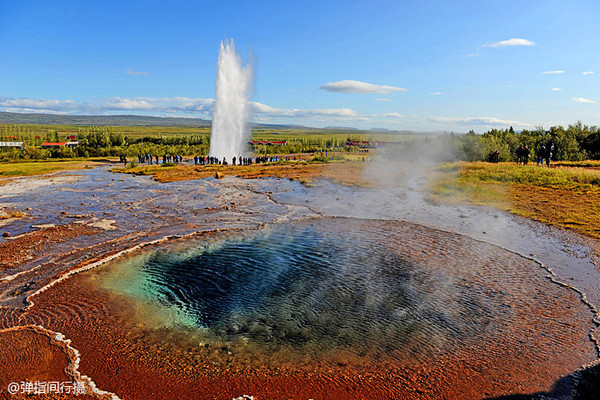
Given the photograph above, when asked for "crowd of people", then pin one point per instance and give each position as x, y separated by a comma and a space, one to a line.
205, 160
522, 153
545, 152
154, 159
543, 155
202, 160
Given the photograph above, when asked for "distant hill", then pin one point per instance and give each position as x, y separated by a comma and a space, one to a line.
341, 128
111, 120
140, 120
408, 132
118, 120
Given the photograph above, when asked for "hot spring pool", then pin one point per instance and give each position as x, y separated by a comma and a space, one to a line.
367, 288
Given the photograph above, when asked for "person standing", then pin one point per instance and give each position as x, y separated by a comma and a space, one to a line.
541, 153
519, 154
550, 150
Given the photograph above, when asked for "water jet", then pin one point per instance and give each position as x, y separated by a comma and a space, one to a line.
229, 132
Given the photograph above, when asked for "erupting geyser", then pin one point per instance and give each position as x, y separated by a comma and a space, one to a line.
234, 81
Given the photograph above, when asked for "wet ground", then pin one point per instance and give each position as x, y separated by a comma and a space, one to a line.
369, 293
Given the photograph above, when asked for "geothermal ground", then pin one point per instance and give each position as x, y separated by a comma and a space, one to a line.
118, 286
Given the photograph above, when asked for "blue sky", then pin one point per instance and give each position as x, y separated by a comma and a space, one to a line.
422, 65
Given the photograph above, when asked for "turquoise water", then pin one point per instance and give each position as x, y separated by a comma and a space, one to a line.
316, 285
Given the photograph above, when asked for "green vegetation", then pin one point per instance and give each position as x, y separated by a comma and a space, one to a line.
561, 177
103, 141
577, 142
565, 196
37, 167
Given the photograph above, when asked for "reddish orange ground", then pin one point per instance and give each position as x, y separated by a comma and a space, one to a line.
348, 173
123, 356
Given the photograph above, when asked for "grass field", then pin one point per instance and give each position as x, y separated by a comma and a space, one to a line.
565, 195
40, 167
277, 133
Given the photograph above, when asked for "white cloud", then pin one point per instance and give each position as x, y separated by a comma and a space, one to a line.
436, 93
556, 89
557, 72
338, 112
511, 42
349, 86
186, 104
382, 99
202, 107
164, 104
474, 121
181, 105
120, 103
588, 72
583, 100
263, 109
137, 73
40, 105
388, 115
178, 106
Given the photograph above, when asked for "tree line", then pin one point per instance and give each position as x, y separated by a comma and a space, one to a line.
573, 143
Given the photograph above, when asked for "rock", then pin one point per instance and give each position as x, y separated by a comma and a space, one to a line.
6, 234
106, 224
43, 226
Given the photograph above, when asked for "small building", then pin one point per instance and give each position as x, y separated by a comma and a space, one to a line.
49, 145
20, 145
363, 144
269, 142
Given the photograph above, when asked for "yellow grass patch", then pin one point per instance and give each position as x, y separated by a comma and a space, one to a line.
41, 167
565, 196
347, 173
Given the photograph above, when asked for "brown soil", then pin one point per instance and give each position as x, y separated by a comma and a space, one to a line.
571, 209
27, 355
347, 173
26, 247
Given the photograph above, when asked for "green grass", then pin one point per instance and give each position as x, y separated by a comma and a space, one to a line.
565, 196
579, 164
277, 133
559, 176
40, 167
